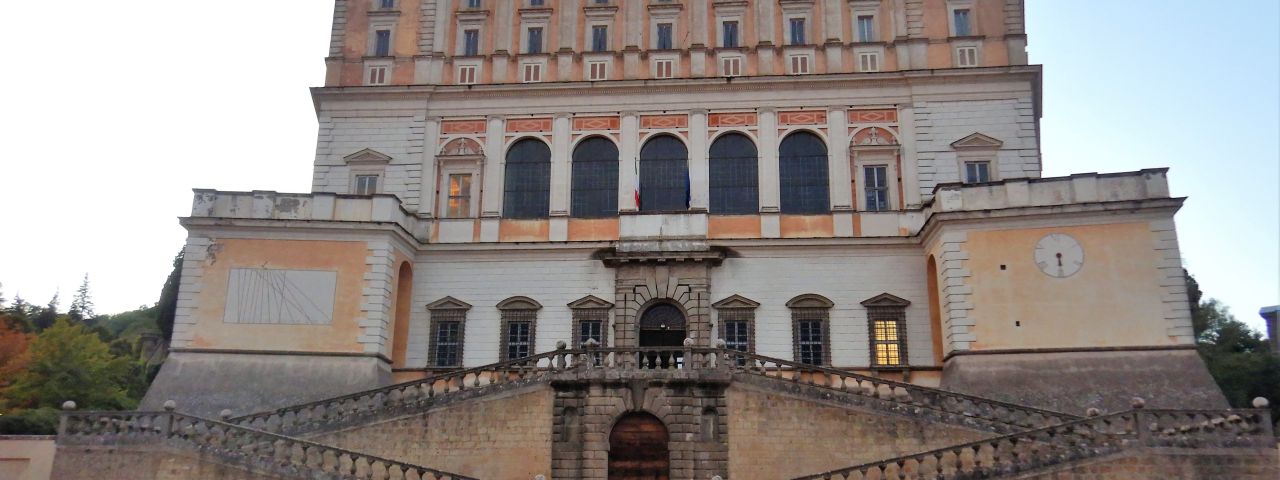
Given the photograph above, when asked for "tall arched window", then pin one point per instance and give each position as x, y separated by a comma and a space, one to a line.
527, 181
595, 179
664, 175
734, 180
802, 174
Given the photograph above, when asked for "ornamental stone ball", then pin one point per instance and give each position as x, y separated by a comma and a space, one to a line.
720, 343
225, 414
70, 405
560, 345
539, 477
1137, 403
170, 405
1261, 402
1092, 412
688, 342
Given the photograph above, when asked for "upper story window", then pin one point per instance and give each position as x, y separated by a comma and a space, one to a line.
536, 3
382, 43
366, 184
527, 181
473, 3
664, 37
734, 183
730, 31
664, 175
797, 31
387, 4
459, 199
802, 174
866, 28
594, 178
962, 22
534, 40
599, 38
471, 43
876, 187
977, 172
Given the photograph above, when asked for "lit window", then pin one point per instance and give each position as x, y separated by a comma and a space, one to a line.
967, 56
471, 43
887, 342
877, 188
799, 64
731, 67
377, 75
797, 31
599, 38
597, 71
664, 36
961, 18
366, 184
868, 62
730, 34
535, 40
459, 200
866, 28
977, 172
381, 43
663, 68
532, 72
467, 74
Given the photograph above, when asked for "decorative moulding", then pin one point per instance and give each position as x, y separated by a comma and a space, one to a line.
448, 303
885, 300
977, 140
367, 156
519, 303
810, 300
736, 301
590, 301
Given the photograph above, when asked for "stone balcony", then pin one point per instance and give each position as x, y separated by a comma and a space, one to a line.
321, 207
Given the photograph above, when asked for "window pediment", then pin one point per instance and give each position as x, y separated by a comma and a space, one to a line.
810, 300
448, 303
885, 300
461, 147
736, 301
590, 301
519, 303
602, 12
367, 156
977, 141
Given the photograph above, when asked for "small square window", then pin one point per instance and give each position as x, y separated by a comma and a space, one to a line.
977, 172
799, 64
868, 62
731, 66
377, 75
967, 56
466, 74
730, 39
597, 71
962, 22
381, 43
471, 43
866, 28
532, 72
664, 36
366, 184
663, 68
534, 40
599, 38
797, 31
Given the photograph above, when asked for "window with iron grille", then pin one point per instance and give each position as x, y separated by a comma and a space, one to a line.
447, 337
664, 175
802, 174
527, 180
589, 324
876, 186
517, 333
811, 336
737, 329
734, 181
888, 336
594, 179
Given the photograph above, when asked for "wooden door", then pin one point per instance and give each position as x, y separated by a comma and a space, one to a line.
638, 449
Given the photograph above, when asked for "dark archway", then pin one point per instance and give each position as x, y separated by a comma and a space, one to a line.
662, 325
638, 448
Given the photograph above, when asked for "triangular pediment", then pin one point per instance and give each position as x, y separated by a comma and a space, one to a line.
367, 155
448, 303
736, 301
590, 301
977, 140
519, 303
885, 300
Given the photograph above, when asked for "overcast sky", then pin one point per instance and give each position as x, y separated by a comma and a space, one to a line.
111, 112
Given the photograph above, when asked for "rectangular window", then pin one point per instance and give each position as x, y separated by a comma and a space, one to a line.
377, 75
977, 172
731, 67
961, 16
532, 72
886, 341
866, 28
519, 339
590, 330
599, 38
382, 43
459, 201
877, 187
387, 3
737, 335
811, 343
446, 342
868, 62
597, 71
799, 64
535, 3
797, 31
473, 3
663, 68
967, 57
466, 74
366, 184
664, 36
471, 43
730, 34
534, 40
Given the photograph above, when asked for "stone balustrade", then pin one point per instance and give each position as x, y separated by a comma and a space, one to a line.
1067, 442
268, 205
1038, 192
251, 449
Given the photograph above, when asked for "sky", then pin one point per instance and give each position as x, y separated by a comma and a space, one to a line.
107, 124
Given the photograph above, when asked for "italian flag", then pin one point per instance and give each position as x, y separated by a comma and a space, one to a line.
637, 182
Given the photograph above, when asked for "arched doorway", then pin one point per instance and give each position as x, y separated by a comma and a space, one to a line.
662, 325
638, 448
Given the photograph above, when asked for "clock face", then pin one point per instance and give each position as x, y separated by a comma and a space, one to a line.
1059, 255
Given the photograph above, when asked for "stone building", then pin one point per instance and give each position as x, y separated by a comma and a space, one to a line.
752, 239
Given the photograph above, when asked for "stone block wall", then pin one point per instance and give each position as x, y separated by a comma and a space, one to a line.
1011, 121
145, 462
1161, 464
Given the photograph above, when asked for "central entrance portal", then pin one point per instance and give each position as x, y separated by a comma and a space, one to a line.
638, 449
663, 326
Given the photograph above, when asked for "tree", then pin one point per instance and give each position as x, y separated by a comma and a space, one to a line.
45, 317
81, 304
69, 362
168, 304
1237, 356
18, 316
14, 353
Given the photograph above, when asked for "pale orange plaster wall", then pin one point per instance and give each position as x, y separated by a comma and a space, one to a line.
523, 231
733, 226
348, 258
588, 229
806, 226
1114, 300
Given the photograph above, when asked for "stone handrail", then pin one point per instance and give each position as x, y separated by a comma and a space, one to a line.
1086, 438
903, 394
253, 449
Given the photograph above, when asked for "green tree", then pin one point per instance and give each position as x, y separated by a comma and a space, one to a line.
70, 362
45, 317
81, 304
18, 316
168, 305
1238, 356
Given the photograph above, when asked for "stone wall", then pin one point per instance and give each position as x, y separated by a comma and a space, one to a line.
1160, 464
144, 462
778, 436
504, 436
26, 457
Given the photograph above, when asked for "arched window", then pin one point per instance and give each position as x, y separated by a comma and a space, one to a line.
734, 181
527, 192
802, 174
664, 175
595, 179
